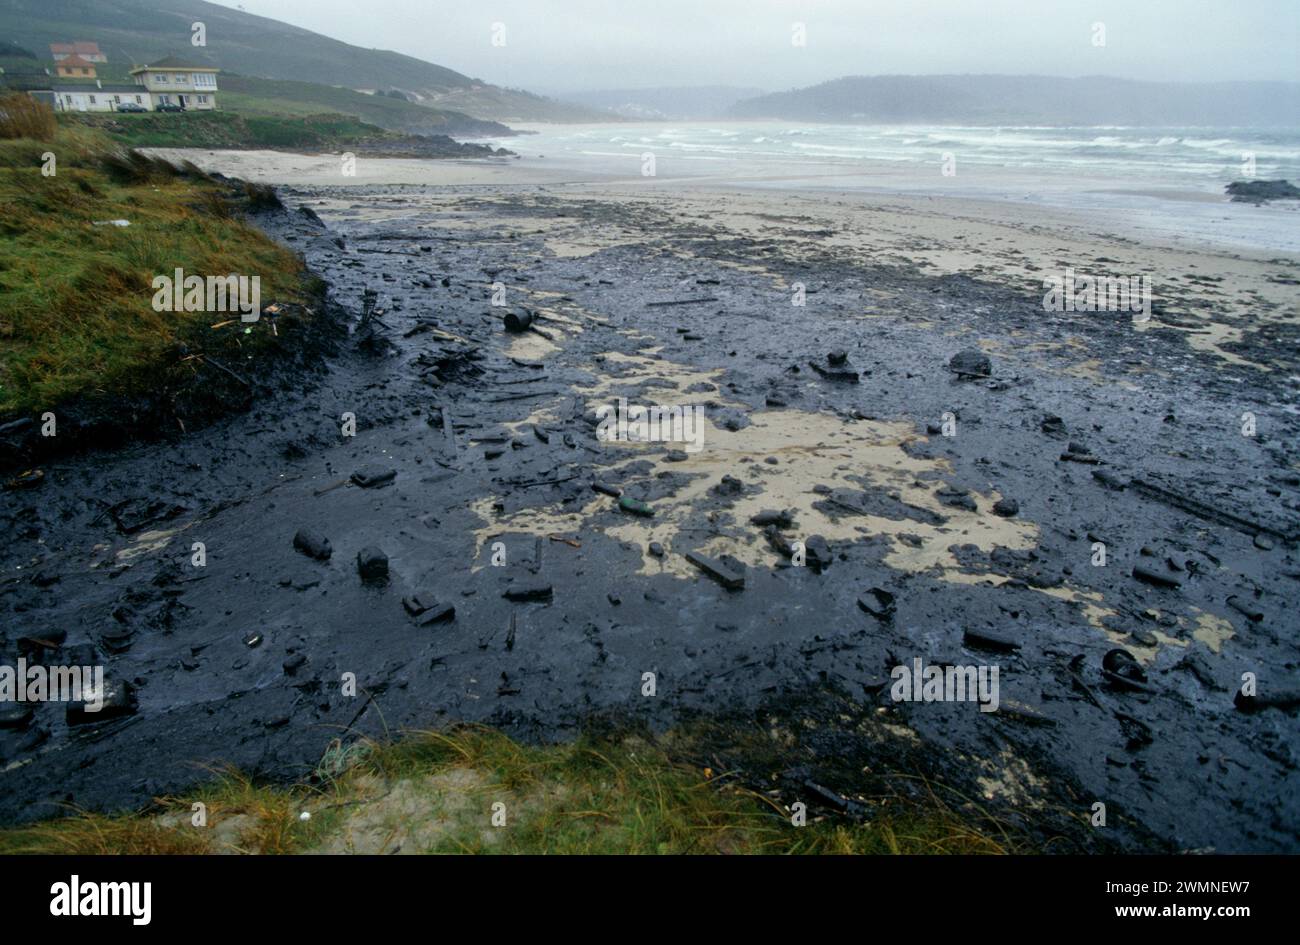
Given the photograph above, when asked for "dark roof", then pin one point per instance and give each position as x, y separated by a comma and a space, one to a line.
15, 66
91, 80
171, 62
22, 83
111, 89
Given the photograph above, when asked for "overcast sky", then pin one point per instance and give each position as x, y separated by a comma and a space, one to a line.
567, 45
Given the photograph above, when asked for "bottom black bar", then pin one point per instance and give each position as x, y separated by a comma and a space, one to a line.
329, 894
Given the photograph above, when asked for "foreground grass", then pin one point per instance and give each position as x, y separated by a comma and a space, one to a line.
76, 314
438, 793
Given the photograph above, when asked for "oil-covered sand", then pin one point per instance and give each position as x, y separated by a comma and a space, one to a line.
495, 455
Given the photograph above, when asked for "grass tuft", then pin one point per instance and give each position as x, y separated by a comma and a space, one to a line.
132, 167
22, 116
262, 197
437, 792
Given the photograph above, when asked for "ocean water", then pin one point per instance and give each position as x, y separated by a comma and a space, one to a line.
1168, 181
1196, 157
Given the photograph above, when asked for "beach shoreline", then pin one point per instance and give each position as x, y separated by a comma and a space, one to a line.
1217, 294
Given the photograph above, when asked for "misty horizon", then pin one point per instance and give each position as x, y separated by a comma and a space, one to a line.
914, 75
563, 48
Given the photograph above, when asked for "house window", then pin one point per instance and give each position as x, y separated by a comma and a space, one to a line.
182, 77
203, 100
117, 99
161, 78
85, 72
92, 100
137, 100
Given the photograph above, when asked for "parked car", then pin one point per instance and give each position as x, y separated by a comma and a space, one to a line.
168, 107
131, 107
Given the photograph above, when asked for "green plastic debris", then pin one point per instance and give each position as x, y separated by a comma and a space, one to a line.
635, 506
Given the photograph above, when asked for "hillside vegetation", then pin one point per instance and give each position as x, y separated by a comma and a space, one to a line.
309, 133
238, 42
228, 130
248, 95
142, 30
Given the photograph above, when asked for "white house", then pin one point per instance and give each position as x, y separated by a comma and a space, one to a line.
171, 81
98, 97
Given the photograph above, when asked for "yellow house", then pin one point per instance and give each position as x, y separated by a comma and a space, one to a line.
74, 67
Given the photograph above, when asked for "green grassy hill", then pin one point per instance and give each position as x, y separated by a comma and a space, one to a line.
228, 130
248, 95
140, 31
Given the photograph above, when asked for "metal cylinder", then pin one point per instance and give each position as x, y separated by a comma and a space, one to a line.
519, 321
